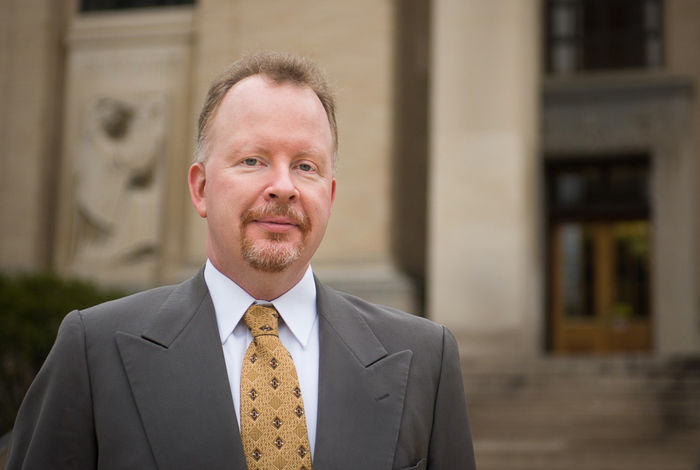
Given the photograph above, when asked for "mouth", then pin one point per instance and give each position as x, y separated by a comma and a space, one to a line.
277, 219
276, 224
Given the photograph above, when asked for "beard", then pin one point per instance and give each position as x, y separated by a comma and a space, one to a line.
273, 254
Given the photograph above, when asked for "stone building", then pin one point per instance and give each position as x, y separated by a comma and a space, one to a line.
523, 171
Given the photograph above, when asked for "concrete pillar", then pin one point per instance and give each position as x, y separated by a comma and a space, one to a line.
484, 263
679, 328
30, 98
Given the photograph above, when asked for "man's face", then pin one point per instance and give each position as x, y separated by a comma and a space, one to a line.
267, 186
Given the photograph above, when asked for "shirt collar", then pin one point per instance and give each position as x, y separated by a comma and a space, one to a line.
297, 306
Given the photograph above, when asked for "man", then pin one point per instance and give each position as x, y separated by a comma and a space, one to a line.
166, 378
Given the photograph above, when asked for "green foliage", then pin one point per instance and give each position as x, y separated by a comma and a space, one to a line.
31, 310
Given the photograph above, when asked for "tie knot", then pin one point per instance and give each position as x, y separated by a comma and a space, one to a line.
262, 320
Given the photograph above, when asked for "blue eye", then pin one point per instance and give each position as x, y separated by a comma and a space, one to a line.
250, 161
305, 167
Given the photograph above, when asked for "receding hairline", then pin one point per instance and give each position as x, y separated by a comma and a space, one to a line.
270, 81
279, 69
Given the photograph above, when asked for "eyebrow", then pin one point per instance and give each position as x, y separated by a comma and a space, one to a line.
313, 151
251, 149
255, 148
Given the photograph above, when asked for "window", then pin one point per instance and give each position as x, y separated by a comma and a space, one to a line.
99, 5
585, 35
601, 188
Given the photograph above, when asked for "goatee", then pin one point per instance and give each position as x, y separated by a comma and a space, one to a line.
273, 254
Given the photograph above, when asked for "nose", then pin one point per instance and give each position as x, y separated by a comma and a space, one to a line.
282, 187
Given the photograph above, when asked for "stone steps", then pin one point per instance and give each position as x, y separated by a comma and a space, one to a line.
585, 414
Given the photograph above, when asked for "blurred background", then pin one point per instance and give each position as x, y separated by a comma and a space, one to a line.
522, 171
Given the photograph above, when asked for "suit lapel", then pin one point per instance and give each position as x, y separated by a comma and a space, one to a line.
361, 390
178, 377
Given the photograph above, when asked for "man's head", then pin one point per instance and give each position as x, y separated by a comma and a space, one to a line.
264, 177
279, 68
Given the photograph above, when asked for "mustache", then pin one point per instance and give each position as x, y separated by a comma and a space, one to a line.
278, 209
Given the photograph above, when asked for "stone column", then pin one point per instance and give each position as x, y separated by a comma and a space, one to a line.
680, 330
30, 98
484, 262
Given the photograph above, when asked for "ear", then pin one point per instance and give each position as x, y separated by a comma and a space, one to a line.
197, 178
332, 192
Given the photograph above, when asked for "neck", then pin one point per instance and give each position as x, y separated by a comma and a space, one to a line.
260, 284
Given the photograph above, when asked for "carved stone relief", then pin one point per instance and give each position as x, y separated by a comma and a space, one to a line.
118, 182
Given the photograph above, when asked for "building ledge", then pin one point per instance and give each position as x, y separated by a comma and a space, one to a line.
131, 26
614, 84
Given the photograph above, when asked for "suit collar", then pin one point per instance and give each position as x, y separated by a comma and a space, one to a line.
361, 389
168, 322
178, 378
343, 318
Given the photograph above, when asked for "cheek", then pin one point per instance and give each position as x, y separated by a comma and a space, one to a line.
225, 194
224, 209
322, 210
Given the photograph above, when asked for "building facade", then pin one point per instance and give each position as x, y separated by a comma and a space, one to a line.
521, 171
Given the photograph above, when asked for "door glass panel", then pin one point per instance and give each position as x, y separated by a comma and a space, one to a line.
577, 270
631, 245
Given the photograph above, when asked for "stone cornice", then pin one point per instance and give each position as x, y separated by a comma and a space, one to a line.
597, 86
135, 26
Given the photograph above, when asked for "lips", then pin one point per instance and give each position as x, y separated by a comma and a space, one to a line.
276, 224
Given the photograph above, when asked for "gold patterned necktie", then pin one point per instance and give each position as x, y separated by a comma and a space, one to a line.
273, 425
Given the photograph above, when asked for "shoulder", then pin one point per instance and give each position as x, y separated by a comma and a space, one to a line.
396, 330
384, 316
130, 310
134, 312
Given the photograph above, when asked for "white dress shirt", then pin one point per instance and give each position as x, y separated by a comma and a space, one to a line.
298, 332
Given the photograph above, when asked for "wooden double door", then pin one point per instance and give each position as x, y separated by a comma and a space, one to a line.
599, 253
600, 291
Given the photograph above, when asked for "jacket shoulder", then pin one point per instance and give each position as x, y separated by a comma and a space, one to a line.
374, 313
396, 329
134, 312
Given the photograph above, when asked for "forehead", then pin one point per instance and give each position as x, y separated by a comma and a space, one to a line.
257, 105
258, 93
257, 113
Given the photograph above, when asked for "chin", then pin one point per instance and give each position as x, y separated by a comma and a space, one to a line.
270, 256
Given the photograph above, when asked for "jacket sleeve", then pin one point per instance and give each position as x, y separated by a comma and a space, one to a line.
54, 427
451, 441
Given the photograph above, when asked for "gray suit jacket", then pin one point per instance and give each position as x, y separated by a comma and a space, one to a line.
140, 383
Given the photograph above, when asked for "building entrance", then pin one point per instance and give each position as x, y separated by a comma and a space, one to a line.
599, 239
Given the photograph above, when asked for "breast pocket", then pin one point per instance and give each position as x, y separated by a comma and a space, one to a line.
421, 465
